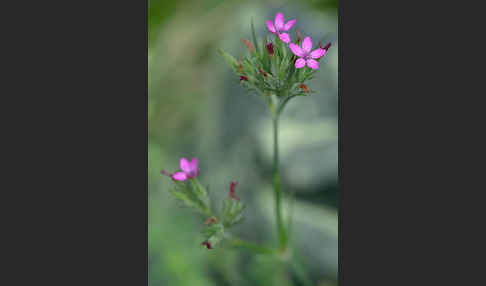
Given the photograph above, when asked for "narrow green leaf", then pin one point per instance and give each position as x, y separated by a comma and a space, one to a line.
253, 34
229, 59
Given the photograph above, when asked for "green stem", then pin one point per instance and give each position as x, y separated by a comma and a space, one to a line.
301, 274
276, 185
235, 242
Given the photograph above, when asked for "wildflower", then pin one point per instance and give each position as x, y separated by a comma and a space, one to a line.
242, 77
232, 191
280, 26
189, 170
305, 55
249, 45
270, 49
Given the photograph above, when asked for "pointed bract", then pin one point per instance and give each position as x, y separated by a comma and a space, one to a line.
232, 191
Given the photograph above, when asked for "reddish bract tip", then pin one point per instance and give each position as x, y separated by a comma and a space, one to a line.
170, 175
326, 47
207, 244
270, 49
304, 87
232, 191
264, 73
242, 77
210, 220
164, 172
240, 66
249, 45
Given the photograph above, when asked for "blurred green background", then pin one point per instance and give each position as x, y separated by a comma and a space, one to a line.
197, 109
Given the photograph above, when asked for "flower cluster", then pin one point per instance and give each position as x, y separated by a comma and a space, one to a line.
278, 66
192, 194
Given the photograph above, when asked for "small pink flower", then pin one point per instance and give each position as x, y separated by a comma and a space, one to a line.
280, 26
305, 55
189, 170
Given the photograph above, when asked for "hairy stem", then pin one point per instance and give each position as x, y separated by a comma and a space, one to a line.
276, 186
235, 242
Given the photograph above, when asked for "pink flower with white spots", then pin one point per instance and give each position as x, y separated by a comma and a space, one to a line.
189, 170
305, 55
280, 26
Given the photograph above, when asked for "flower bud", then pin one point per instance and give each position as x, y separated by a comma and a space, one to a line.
232, 191
207, 244
304, 87
326, 47
299, 36
270, 48
210, 220
242, 77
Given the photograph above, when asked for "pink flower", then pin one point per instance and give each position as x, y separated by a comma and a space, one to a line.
305, 55
189, 170
280, 26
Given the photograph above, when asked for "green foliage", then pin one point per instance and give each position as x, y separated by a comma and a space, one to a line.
232, 212
193, 196
232, 62
271, 74
214, 234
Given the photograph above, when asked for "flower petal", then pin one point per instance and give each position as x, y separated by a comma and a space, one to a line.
185, 166
299, 63
296, 50
193, 164
179, 176
270, 26
284, 37
193, 169
307, 44
313, 64
279, 21
288, 25
317, 53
